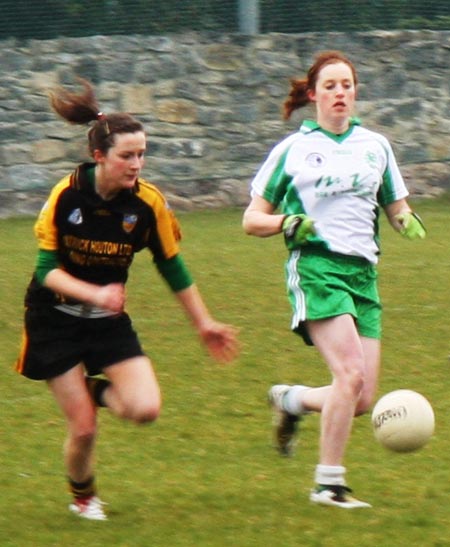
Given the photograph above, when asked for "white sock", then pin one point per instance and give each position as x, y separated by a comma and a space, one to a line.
330, 474
292, 401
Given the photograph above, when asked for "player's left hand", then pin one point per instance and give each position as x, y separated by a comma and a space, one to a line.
411, 225
221, 340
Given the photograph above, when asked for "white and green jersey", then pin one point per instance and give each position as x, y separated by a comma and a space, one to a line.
338, 180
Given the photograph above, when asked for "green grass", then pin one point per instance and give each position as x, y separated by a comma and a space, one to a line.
205, 473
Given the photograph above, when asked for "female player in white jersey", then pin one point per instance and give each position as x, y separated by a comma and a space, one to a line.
322, 187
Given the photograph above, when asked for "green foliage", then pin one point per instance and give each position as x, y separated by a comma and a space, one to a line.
205, 474
53, 18
347, 15
442, 22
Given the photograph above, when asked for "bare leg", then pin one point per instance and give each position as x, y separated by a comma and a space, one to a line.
71, 394
354, 364
134, 392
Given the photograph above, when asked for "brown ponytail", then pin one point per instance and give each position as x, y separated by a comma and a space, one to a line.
83, 108
75, 108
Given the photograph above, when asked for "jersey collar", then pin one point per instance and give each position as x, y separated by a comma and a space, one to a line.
83, 179
308, 126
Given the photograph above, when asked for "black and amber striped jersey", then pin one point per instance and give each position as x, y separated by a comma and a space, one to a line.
95, 240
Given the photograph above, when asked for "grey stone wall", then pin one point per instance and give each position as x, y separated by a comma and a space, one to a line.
211, 106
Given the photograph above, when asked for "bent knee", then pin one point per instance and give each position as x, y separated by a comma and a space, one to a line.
364, 405
142, 412
361, 409
147, 414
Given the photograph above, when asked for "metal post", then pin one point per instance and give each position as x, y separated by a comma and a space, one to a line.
249, 17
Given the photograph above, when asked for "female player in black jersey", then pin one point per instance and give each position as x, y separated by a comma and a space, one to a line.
76, 326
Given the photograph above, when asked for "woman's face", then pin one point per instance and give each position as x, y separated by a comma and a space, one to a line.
334, 94
122, 164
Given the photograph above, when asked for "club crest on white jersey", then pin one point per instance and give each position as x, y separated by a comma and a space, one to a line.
315, 160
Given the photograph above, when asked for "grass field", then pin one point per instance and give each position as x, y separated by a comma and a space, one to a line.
205, 473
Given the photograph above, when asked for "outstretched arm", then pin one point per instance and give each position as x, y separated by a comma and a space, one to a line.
219, 338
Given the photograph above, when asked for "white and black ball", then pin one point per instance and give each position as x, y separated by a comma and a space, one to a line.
403, 420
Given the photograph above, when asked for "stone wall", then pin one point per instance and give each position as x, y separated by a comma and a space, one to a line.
211, 106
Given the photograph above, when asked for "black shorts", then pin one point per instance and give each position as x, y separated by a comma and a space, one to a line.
54, 342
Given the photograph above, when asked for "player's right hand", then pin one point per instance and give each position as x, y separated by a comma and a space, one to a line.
297, 228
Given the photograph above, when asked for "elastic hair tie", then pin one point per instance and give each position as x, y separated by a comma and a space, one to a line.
102, 118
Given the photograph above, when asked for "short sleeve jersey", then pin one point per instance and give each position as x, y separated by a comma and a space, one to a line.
338, 180
95, 240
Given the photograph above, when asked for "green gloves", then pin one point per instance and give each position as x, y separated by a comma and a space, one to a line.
296, 229
411, 225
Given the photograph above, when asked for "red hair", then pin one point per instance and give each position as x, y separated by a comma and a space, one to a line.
299, 93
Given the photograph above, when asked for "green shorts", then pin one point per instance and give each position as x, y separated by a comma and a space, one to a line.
323, 284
